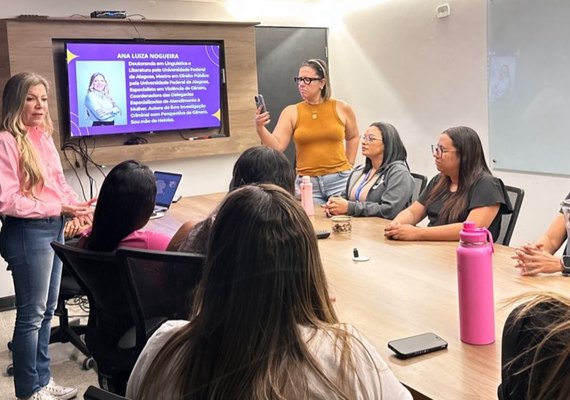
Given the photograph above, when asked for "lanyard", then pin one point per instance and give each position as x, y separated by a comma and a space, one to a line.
363, 183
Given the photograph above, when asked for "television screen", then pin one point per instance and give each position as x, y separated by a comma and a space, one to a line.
122, 87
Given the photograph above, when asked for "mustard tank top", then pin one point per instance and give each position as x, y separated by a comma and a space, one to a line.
319, 139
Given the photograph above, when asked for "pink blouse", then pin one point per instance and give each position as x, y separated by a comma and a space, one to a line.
55, 190
141, 239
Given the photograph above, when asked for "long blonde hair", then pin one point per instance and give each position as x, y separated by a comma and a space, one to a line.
263, 279
543, 320
92, 89
13, 100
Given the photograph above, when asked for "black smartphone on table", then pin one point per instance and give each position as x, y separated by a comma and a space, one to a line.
260, 102
417, 345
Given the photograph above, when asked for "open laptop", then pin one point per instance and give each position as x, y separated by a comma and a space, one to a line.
166, 185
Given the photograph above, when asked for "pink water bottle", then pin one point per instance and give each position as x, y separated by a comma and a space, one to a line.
475, 283
307, 195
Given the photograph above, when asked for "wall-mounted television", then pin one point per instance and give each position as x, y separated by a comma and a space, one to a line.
139, 86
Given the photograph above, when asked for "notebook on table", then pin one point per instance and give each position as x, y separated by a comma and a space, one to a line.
166, 185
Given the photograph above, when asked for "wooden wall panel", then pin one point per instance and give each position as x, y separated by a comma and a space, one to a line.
27, 45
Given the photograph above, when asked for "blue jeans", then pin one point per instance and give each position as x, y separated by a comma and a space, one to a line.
36, 272
325, 186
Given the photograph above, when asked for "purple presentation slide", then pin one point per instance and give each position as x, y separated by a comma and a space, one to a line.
118, 88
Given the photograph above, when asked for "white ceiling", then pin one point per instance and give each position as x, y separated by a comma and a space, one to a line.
225, 1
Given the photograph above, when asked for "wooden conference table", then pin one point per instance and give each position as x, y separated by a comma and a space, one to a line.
406, 288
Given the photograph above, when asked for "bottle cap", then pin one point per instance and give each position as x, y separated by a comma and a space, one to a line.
306, 179
471, 234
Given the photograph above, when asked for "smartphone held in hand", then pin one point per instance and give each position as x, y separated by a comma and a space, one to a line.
260, 102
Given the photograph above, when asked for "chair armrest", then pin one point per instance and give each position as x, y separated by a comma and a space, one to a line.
129, 339
95, 393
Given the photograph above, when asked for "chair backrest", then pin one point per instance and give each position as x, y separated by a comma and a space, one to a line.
99, 274
112, 336
508, 221
161, 283
420, 182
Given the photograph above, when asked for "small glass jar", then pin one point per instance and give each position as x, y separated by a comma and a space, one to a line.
341, 224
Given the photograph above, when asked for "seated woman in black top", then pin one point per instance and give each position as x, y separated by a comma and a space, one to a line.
464, 190
536, 349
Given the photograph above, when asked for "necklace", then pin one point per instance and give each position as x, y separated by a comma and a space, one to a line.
314, 109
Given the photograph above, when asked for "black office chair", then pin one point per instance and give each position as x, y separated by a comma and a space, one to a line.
161, 284
95, 393
508, 221
420, 182
111, 335
66, 332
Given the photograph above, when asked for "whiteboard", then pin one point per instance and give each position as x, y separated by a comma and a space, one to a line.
528, 69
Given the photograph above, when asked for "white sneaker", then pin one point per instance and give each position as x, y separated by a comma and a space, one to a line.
41, 395
58, 392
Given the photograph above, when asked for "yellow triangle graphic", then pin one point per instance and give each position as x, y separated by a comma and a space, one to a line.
70, 56
217, 114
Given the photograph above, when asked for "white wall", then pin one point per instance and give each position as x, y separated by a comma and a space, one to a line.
393, 60
396, 61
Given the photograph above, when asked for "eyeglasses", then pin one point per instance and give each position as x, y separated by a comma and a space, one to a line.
439, 150
370, 138
305, 80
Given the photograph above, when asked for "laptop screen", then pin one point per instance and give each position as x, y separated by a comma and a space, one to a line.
166, 185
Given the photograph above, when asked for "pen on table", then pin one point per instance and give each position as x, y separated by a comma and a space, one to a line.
357, 257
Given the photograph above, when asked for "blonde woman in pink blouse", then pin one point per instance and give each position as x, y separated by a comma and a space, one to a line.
34, 199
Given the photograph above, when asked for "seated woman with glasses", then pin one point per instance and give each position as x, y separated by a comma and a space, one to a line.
464, 190
262, 326
324, 130
383, 186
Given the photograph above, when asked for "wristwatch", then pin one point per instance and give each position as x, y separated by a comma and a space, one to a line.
565, 263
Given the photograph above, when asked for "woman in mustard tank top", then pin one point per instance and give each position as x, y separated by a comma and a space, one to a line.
324, 130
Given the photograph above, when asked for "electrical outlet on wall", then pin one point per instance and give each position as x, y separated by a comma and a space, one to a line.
443, 10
